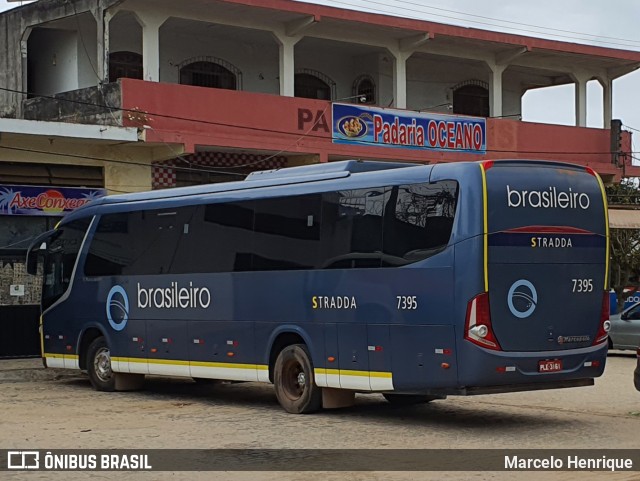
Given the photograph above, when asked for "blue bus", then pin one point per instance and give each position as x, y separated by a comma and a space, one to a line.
414, 281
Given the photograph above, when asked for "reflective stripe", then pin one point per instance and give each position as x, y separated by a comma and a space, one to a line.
485, 225
606, 219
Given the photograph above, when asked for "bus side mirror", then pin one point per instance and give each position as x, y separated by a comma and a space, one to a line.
32, 257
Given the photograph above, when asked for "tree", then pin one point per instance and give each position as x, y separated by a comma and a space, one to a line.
624, 243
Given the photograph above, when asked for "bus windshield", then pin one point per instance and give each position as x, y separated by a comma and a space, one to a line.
62, 250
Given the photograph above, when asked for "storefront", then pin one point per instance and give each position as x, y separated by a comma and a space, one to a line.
25, 212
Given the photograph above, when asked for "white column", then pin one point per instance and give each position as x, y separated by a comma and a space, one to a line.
98, 15
400, 77
105, 61
151, 23
580, 80
607, 101
495, 90
286, 48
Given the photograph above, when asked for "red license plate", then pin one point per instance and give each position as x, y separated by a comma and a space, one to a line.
550, 366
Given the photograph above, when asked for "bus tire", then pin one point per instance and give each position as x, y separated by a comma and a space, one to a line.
294, 382
409, 399
99, 367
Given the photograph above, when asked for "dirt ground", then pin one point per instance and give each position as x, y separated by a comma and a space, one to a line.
55, 409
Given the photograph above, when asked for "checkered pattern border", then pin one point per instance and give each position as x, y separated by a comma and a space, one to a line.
164, 176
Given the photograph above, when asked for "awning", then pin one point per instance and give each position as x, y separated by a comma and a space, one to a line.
624, 218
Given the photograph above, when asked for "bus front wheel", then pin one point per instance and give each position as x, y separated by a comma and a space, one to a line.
99, 368
294, 382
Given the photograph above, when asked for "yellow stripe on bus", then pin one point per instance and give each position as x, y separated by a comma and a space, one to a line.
176, 362
353, 373
485, 216
41, 329
61, 356
606, 223
320, 370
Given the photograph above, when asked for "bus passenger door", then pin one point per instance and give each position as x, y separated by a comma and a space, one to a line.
353, 359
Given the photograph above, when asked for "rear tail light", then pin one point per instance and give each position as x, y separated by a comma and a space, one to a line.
478, 327
605, 324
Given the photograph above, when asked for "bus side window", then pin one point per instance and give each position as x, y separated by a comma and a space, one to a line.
111, 250
159, 233
287, 233
419, 220
137, 243
351, 230
219, 239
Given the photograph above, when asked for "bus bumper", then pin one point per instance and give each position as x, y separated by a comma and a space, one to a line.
482, 370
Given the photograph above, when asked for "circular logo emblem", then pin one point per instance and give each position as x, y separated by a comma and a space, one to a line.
352, 126
117, 308
522, 299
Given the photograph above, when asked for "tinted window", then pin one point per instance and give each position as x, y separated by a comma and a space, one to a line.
287, 233
219, 239
418, 220
341, 229
137, 243
352, 228
61, 254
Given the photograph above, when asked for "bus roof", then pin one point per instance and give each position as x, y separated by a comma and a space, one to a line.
357, 170
265, 178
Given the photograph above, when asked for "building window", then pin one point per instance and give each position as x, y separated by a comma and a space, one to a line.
364, 88
311, 84
125, 65
210, 72
471, 98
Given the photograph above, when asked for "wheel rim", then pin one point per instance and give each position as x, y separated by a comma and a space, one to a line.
294, 380
102, 364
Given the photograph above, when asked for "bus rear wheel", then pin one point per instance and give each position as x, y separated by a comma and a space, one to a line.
294, 382
409, 399
99, 368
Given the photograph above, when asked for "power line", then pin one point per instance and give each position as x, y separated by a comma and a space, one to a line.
363, 142
115, 161
540, 27
387, 12
84, 45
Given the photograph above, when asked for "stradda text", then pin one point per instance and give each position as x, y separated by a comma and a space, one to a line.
551, 242
333, 302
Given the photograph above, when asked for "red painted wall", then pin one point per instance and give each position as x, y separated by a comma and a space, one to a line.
196, 116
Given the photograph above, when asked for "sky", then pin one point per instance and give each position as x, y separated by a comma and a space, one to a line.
612, 24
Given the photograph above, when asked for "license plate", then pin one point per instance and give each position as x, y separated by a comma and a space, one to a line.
550, 366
